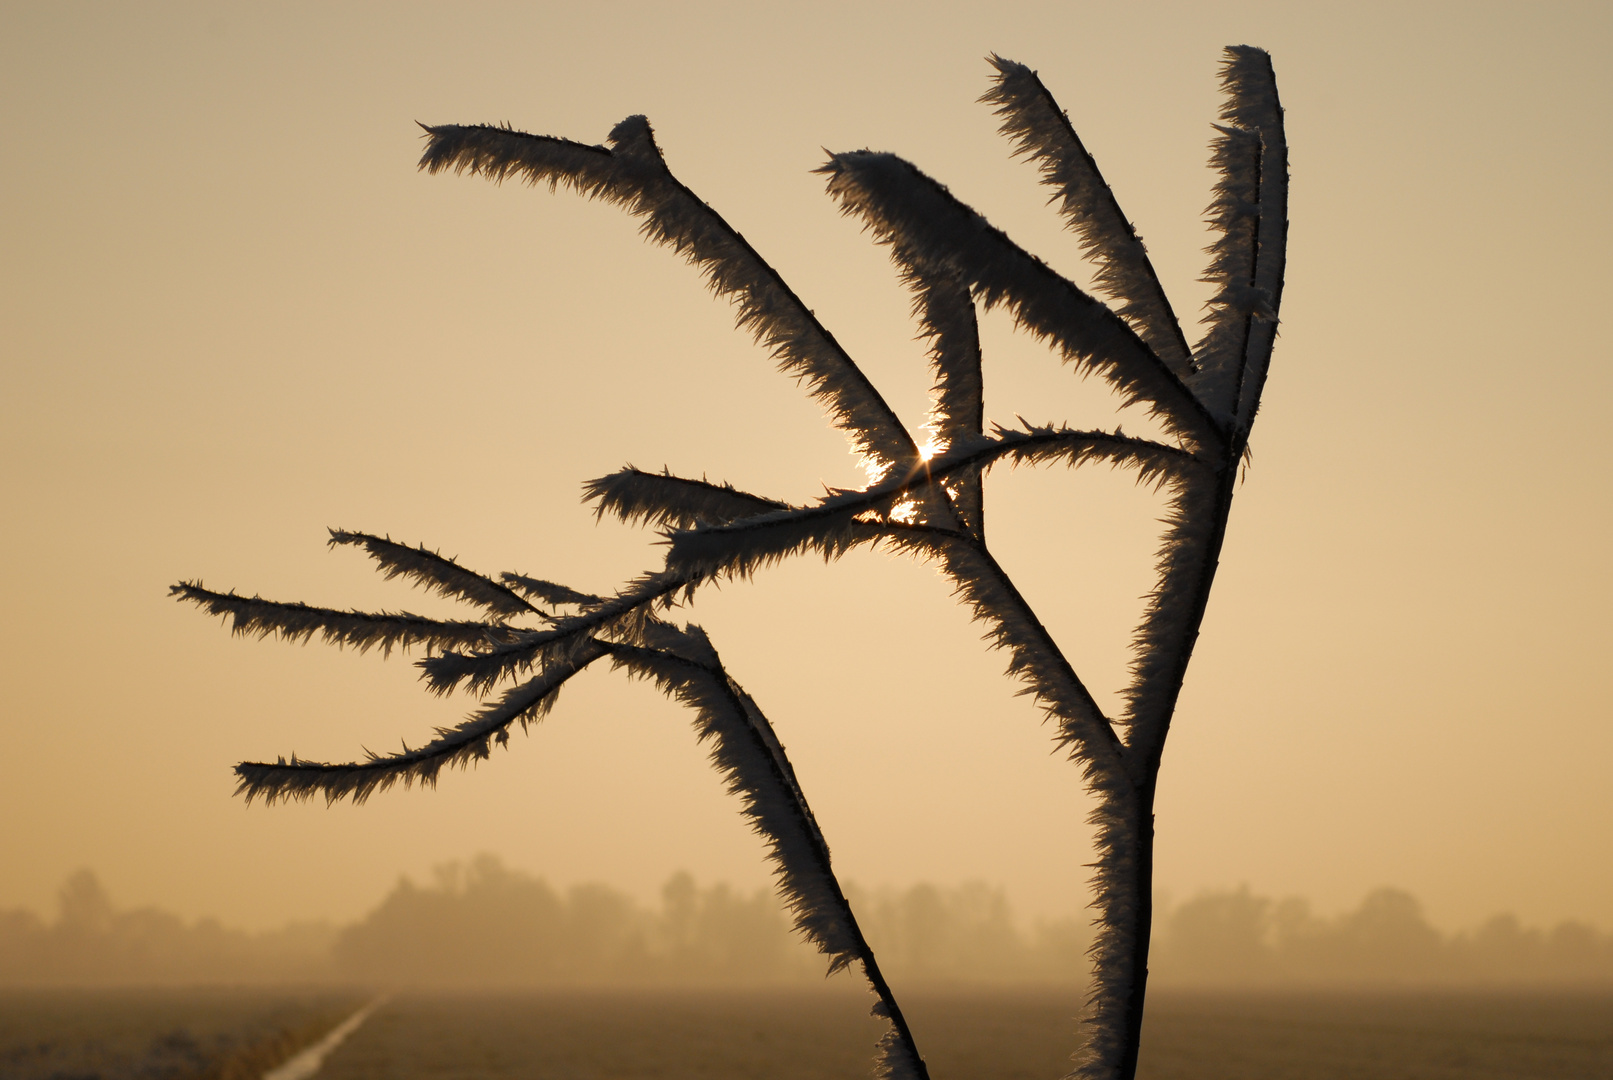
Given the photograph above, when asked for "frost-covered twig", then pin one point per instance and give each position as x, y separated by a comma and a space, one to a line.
441, 575
256, 617
632, 173
1042, 132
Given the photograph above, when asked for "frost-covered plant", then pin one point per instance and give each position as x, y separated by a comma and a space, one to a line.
923, 501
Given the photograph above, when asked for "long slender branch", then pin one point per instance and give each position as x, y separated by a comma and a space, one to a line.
547, 591
1043, 133
747, 751
469, 741
633, 174
363, 630
745, 544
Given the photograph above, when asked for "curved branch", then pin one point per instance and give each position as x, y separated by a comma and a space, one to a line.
1247, 260
633, 174
470, 741
747, 752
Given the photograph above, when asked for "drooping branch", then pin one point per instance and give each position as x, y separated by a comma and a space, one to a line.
906, 208
1041, 132
633, 174
744, 749
363, 630
441, 575
469, 741
749, 756
1034, 658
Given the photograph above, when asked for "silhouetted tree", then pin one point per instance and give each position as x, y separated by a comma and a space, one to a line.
925, 501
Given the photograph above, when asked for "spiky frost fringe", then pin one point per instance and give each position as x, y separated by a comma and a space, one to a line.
633, 174
441, 575
1034, 658
469, 741
895, 1057
1234, 213
840, 521
748, 755
1114, 946
1252, 103
621, 617
1042, 132
1250, 213
256, 617
674, 502
1164, 639
946, 313
905, 208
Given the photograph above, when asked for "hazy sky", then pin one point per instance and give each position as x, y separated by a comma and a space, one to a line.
235, 314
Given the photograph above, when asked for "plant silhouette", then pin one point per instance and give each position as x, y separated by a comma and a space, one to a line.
922, 501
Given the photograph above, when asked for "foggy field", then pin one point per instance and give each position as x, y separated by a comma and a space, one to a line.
159, 1034
979, 1036
797, 1035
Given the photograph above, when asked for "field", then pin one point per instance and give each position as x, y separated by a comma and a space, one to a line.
159, 1034
795, 1035
978, 1036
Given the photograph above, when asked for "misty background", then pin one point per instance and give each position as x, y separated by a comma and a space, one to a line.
235, 315
483, 924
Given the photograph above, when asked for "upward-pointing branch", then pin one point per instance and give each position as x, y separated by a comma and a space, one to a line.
1042, 132
1248, 258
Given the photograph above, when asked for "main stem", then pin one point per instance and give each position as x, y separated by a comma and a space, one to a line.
1146, 773
1142, 933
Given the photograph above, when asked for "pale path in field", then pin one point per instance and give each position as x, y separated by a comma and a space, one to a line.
306, 1062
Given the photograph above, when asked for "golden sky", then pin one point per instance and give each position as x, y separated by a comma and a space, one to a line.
235, 314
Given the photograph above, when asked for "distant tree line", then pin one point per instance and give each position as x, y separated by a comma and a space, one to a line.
92, 943
1236, 937
484, 924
